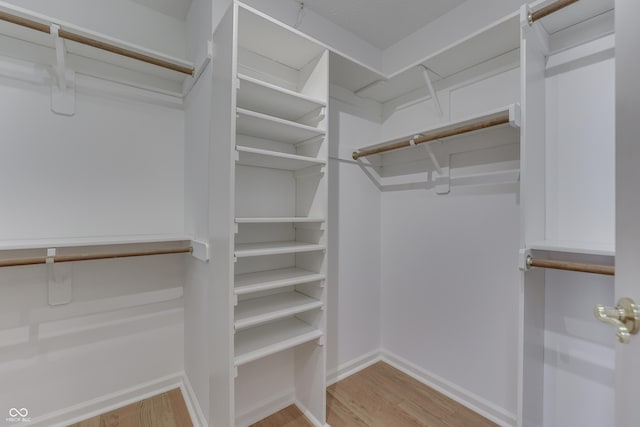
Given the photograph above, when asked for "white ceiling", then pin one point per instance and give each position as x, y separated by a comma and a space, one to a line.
381, 22
175, 8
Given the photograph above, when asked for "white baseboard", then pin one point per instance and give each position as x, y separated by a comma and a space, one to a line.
472, 401
265, 408
351, 367
193, 404
109, 402
310, 416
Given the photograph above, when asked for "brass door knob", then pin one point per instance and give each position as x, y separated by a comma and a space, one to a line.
625, 317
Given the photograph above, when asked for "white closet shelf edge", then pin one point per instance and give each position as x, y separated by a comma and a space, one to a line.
584, 248
261, 341
513, 111
90, 241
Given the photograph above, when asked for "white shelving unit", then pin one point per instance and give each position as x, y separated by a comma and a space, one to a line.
568, 212
274, 268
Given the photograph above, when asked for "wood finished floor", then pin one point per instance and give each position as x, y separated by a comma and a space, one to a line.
382, 396
163, 410
378, 396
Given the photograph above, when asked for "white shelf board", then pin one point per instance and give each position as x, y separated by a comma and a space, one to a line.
500, 38
574, 247
273, 279
262, 34
261, 341
512, 110
266, 98
253, 312
249, 156
275, 248
573, 14
89, 241
260, 125
35, 46
279, 220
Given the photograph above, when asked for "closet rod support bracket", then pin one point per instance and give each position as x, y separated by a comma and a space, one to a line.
59, 290
63, 90
525, 259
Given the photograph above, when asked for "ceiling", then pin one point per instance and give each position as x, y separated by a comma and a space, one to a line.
380, 22
175, 8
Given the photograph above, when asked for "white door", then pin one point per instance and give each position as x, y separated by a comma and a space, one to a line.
627, 281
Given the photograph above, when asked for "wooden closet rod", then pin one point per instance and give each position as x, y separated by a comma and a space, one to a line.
608, 270
85, 257
549, 9
69, 35
503, 119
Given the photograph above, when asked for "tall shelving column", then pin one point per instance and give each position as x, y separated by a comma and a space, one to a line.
567, 186
270, 190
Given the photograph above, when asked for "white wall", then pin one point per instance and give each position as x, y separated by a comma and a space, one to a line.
114, 168
353, 286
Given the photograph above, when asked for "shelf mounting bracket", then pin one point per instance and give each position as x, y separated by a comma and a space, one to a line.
63, 91
434, 95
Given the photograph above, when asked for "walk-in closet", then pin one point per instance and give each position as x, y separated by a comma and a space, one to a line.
225, 212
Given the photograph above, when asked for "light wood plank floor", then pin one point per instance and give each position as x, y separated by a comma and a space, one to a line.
163, 410
382, 396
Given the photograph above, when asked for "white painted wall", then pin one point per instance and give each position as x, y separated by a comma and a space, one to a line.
580, 154
353, 285
114, 168
122, 19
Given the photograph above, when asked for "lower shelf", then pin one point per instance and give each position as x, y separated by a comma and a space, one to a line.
261, 341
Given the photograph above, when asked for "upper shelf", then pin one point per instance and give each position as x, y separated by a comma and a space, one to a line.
263, 126
266, 98
25, 35
285, 45
495, 46
583, 248
507, 127
8, 245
